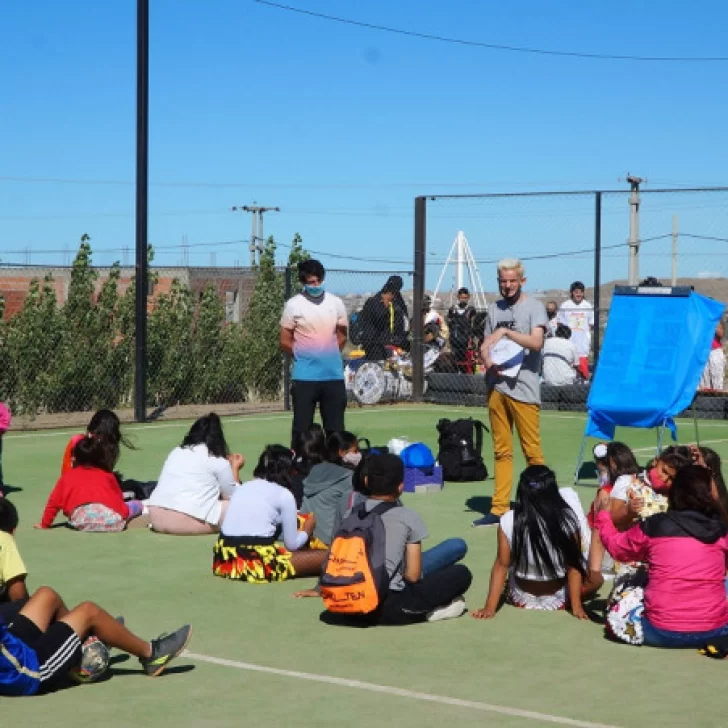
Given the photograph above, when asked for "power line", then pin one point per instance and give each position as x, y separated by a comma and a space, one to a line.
493, 46
703, 237
285, 185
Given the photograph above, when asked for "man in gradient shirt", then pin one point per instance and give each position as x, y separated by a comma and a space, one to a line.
314, 328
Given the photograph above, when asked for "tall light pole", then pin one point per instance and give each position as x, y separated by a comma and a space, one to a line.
142, 196
634, 230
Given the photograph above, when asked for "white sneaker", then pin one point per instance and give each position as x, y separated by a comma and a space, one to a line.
455, 609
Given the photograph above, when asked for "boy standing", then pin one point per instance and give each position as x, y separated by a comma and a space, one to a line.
578, 314
514, 394
425, 586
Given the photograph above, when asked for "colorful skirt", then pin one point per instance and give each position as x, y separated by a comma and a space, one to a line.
96, 518
256, 560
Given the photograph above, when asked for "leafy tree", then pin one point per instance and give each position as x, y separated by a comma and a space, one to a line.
33, 343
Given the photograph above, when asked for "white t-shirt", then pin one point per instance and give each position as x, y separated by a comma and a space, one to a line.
560, 358
316, 354
572, 499
620, 491
257, 508
192, 482
579, 317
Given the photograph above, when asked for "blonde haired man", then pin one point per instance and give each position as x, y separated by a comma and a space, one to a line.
514, 395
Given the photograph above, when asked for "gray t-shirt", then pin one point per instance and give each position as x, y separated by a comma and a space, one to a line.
527, 314
402, 526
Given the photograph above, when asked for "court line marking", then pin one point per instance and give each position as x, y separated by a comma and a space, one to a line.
398, 692
702, 442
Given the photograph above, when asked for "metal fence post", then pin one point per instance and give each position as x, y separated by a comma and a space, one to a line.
597, 272
287, 291
142, 161
418, 369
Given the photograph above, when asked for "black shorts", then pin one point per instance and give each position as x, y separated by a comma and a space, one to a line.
58, 648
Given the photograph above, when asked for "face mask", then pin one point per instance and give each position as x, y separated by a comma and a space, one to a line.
352, 458
462, 304
314, 291
603, 478
656, 481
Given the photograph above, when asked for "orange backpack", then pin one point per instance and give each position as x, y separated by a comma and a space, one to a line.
355, 578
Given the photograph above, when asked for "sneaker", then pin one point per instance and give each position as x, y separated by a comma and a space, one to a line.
164, 649
489, 519
455, 609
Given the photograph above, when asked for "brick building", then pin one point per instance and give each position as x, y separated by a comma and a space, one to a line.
234, 285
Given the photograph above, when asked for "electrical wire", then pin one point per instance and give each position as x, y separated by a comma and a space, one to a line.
493, 46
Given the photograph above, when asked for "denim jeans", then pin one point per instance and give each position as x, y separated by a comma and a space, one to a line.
447, 553
656, 637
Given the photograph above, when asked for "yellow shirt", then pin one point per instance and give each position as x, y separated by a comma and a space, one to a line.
11, 564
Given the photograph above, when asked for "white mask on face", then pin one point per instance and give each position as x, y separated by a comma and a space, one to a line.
352, 458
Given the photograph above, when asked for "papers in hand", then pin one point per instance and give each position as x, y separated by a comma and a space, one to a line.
508, 357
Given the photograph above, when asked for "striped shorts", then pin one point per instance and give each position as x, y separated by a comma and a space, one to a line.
58, 648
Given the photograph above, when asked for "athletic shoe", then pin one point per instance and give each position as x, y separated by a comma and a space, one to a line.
489, 519
455, 609
164, 649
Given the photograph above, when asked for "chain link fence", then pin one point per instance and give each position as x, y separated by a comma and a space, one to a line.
67, 333
67, 338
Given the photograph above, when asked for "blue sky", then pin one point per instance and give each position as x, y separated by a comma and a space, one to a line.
342, 126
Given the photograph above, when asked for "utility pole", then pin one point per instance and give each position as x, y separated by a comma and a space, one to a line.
256, 239
674, 250
634, 230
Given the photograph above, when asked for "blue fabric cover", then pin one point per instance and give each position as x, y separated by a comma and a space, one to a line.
655, 350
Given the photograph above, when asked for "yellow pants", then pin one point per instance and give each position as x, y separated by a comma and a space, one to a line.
504, 412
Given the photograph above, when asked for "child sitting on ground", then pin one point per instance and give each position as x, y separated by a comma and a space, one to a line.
709, 458
12, 568
685, 552
632, 495
425, 586
196, 482
89, 494
247, 549
542, 548
600, 562
328, 482
40, 644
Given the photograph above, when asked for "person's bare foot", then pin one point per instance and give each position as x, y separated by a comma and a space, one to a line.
306, 593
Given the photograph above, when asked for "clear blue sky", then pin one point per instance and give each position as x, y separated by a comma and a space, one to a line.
342, 126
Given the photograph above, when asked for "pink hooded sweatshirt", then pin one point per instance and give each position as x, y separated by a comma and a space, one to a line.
685, 552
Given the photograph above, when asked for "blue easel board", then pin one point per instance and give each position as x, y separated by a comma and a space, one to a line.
654, 353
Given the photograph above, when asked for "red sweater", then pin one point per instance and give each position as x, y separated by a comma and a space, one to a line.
80, 486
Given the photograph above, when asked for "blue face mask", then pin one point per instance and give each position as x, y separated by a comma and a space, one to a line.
314, 291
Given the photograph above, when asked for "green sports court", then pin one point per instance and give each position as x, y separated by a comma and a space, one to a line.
260, 658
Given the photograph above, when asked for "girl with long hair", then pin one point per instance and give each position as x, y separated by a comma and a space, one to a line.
196, 482
105, 427
685, 552
261, 514
542, 547
89, 494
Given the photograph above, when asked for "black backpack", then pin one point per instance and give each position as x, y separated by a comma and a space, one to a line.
356, 328
461, 454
